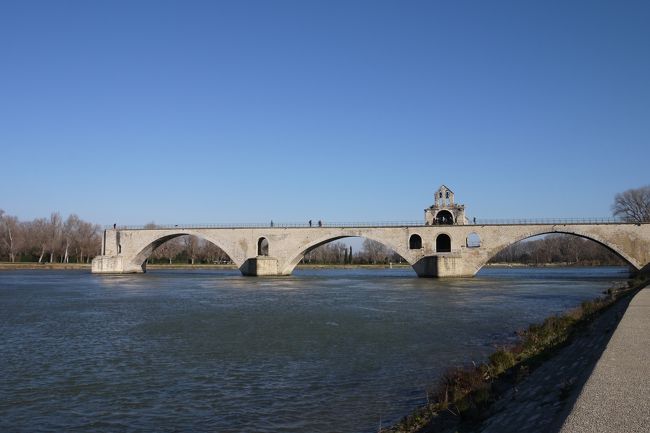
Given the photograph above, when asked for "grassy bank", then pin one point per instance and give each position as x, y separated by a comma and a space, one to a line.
463, 395
34, 265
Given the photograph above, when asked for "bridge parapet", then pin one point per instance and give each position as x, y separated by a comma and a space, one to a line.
371, 224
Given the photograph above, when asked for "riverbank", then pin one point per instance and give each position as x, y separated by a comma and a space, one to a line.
6, 266
531, 394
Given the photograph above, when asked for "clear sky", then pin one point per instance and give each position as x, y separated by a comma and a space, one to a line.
247, 111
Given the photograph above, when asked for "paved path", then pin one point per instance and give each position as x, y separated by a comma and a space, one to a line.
541, 402
616, 398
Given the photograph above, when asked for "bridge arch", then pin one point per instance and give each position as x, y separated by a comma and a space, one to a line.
306, 248
606, 243
144, 251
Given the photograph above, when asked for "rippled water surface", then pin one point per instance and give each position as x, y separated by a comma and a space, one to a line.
320, 351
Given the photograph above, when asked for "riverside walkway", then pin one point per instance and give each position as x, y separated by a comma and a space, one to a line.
616, 397
600, 382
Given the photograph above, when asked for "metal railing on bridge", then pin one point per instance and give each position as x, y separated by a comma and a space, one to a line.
314, 224
369, 224
531, 221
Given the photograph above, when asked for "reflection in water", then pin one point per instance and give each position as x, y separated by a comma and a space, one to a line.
321, 351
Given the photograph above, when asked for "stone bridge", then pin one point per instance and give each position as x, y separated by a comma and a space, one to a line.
433, 250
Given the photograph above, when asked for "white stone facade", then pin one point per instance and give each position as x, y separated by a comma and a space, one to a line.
444, 210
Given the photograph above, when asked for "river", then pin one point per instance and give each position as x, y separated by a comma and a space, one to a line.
327, 350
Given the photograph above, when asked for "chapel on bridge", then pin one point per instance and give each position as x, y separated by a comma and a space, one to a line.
444, 210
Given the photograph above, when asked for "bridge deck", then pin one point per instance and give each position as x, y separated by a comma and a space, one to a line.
366, 224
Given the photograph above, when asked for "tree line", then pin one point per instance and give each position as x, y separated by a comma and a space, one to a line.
339, 253
50, 239
558, 249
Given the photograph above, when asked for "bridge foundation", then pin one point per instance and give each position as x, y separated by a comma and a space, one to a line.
260, 266
447, 265
114, 265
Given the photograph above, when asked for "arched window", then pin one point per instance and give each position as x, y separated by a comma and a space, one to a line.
444, 217
443, 243
473, 240
262, 247
415, 242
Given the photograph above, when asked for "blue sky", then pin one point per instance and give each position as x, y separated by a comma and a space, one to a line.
247, 111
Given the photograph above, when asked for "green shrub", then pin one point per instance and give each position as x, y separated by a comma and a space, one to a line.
501, 360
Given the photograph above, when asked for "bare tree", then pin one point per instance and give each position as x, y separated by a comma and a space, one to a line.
633, 205
70, 232
88, 241
210, 253
329, 253
191, 247
55, 234
375, 252
37, 233
169, 250
9, 232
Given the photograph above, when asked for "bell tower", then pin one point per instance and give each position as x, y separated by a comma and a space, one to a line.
444, 210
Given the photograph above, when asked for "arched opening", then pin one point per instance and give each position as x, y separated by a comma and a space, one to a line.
181, 249
557, 249
350, 250
443, 243
187, 249
415, 242
444, 217
473, 240
354, 250
262, 247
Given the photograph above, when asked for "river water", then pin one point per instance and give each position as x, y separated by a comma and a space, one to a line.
320, 351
